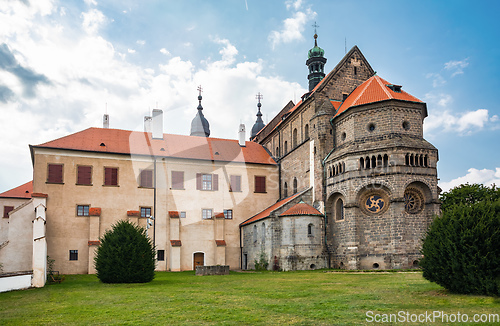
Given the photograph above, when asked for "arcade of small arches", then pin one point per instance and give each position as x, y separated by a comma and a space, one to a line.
336, 169
374, 161
417, 160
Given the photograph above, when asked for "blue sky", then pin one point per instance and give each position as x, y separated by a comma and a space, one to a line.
63, 64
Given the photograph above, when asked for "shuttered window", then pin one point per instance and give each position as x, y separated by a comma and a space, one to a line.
84, 175
146, 179
207, 181
55, 173
110, 176
235, 185
7, 210
260, 184
178, 180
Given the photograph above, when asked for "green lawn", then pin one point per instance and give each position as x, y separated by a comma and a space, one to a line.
301, 298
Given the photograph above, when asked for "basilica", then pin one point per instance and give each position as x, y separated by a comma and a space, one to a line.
341, 179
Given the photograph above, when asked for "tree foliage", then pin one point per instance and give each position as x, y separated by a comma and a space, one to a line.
125, 255
462, 247
468, 194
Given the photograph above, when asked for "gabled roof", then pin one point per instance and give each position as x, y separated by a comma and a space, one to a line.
301, 209
23, 191
288, 110
375, 89
117, 141
267, 212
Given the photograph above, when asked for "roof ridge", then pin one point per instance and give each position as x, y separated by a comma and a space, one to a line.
383, 87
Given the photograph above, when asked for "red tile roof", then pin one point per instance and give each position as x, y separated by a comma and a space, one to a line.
265, 213
173, 214
95, 211
220, 243
375, 89
134, 213
23, 191
301, 209
177, 146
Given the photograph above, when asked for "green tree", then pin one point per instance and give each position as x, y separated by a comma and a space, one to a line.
468, 194
462, 247
125, 255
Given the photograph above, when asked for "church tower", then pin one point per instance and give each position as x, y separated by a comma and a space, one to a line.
200, 126
259, 124
316, 63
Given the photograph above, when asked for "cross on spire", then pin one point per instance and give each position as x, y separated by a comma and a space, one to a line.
200, 89
315, 26
259, 96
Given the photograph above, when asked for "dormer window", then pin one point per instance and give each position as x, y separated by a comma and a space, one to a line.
395, 88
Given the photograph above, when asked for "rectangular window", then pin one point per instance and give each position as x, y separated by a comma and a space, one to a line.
111, 176
235, 185
207, 181
82, 210
54, 173
161, 255
178, 180
146, 179
183, 215
145, 211
7, 210
73, 255
84, 175
228, 214
260, 184
206, 214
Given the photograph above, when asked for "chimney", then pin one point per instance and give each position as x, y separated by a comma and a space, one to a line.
158, 124
241, 135
147, 123
105, 121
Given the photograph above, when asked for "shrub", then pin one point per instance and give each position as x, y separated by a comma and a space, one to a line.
125, 255
462, 249
262, 263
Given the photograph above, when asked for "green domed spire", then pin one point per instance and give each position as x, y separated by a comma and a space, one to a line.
316, 51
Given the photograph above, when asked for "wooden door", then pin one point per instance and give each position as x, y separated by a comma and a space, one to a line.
199, 259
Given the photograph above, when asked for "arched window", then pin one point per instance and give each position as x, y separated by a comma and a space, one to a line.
294, 138
254, 235
285, 190
412, 160
407, 159
286, 147
374, 162
310, 230
361, 163
306, 132
263, 235
386, 160
379, 160
277, 153
426, 161
343, 167
339, 210
367, 162
421, 160
294, 185
416, 159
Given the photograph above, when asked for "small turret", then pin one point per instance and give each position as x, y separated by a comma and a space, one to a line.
316, 63
259, 124
200, 126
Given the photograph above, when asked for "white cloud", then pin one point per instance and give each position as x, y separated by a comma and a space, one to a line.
93, 20
164, 51
91, 2
437, 79
484, 176
456, 67
463, 123
295, 4
141, 42
292, 29
131, 51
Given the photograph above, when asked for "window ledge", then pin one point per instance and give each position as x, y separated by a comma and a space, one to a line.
82, 184
54, 183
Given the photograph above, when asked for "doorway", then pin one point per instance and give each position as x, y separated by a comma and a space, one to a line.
198, 259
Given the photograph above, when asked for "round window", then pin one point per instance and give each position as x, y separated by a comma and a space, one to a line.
371, 127
343, 136
374, 202
414, 200
406, 125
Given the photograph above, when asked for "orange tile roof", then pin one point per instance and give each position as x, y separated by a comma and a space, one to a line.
373, 90
265, 213
23, 191
177, 146
301, 209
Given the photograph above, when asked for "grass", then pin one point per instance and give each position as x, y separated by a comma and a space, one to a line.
290, 298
